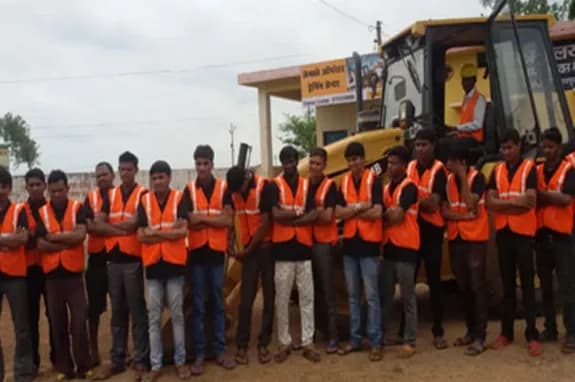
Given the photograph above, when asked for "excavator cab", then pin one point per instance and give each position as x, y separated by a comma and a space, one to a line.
516, 55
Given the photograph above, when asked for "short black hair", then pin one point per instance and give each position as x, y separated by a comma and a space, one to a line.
128, 157
35, 173
426, 134
161, 167
287, 153
510, 135
57, 176
400, 152
204, 152
458, 151
354, 149
107, 165
5, 177
553, 134
235, 177
319, 152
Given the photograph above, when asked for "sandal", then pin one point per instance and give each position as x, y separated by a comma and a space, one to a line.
534, 349
332, 347
282, 354
311, 354
264, 355
406, 351
242, 356
375, 355
499, 343
226, 361
197, 367
440, 343
348, 348
463, 341
475, 349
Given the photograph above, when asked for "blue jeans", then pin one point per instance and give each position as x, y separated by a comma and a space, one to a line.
210, 277
357, 270
172, 291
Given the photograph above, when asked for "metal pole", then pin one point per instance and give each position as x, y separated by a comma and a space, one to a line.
378, 33
232, 147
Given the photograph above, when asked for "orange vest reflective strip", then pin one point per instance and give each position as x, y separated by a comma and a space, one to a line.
368, 230
119, 212
170, 251
326, 232
32, 254
425, 187
523, 224
12, 260
553, 217
72, 259
406, 234
468, 115
287, 201
215, 238
469, 230
96, 244
248, 213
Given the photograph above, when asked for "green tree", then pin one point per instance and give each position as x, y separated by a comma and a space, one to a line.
299, 132
16, 132
561, 9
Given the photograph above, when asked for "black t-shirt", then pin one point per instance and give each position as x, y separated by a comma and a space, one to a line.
41, 231
331, 197
408, 198
567, 188
292, 250
33, 236
22, 223
116, 255
205, 255
356, 246
439, 182
163, 270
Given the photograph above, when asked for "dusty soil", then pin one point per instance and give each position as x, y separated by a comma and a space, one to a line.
511, 364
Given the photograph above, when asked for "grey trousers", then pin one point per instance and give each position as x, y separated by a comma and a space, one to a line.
401, 272
325, 303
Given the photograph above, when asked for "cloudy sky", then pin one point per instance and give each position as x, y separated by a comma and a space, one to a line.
87, 75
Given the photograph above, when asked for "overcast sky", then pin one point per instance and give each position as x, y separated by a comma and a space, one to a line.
80, 121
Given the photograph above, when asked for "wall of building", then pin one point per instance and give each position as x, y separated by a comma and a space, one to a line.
336, 118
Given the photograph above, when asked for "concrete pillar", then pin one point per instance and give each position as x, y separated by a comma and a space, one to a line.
264, 107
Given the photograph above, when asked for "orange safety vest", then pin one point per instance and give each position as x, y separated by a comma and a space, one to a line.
73, 258
369, 230
12, 260
555, 218
171, 251
468, 115
425, 187
96, 244
216, 238
32, 254
469, 230
248, 212
324, 232
282, 233
523, 224
406, 234
120, 212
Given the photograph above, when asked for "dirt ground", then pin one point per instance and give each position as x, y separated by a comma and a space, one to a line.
511, 364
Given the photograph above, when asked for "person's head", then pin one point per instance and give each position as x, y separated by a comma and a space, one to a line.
238, 179
456, 156
510, 145
5, 184
289, 158
317, 161
397, 160
552, 142
468, 77
160, 176
58, 187
128, 167
355, 157
425, 145
35, 183
204, 159
104, 175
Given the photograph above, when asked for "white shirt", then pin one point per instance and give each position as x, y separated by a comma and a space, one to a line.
478, 113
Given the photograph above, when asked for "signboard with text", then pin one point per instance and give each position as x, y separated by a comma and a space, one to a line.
565, 59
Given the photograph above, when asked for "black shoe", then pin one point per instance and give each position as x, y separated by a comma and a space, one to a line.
548, 336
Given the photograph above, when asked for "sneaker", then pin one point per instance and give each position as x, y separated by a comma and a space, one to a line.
86, 375
63, 377
406, 351
568, 346
534, 348
499, 343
